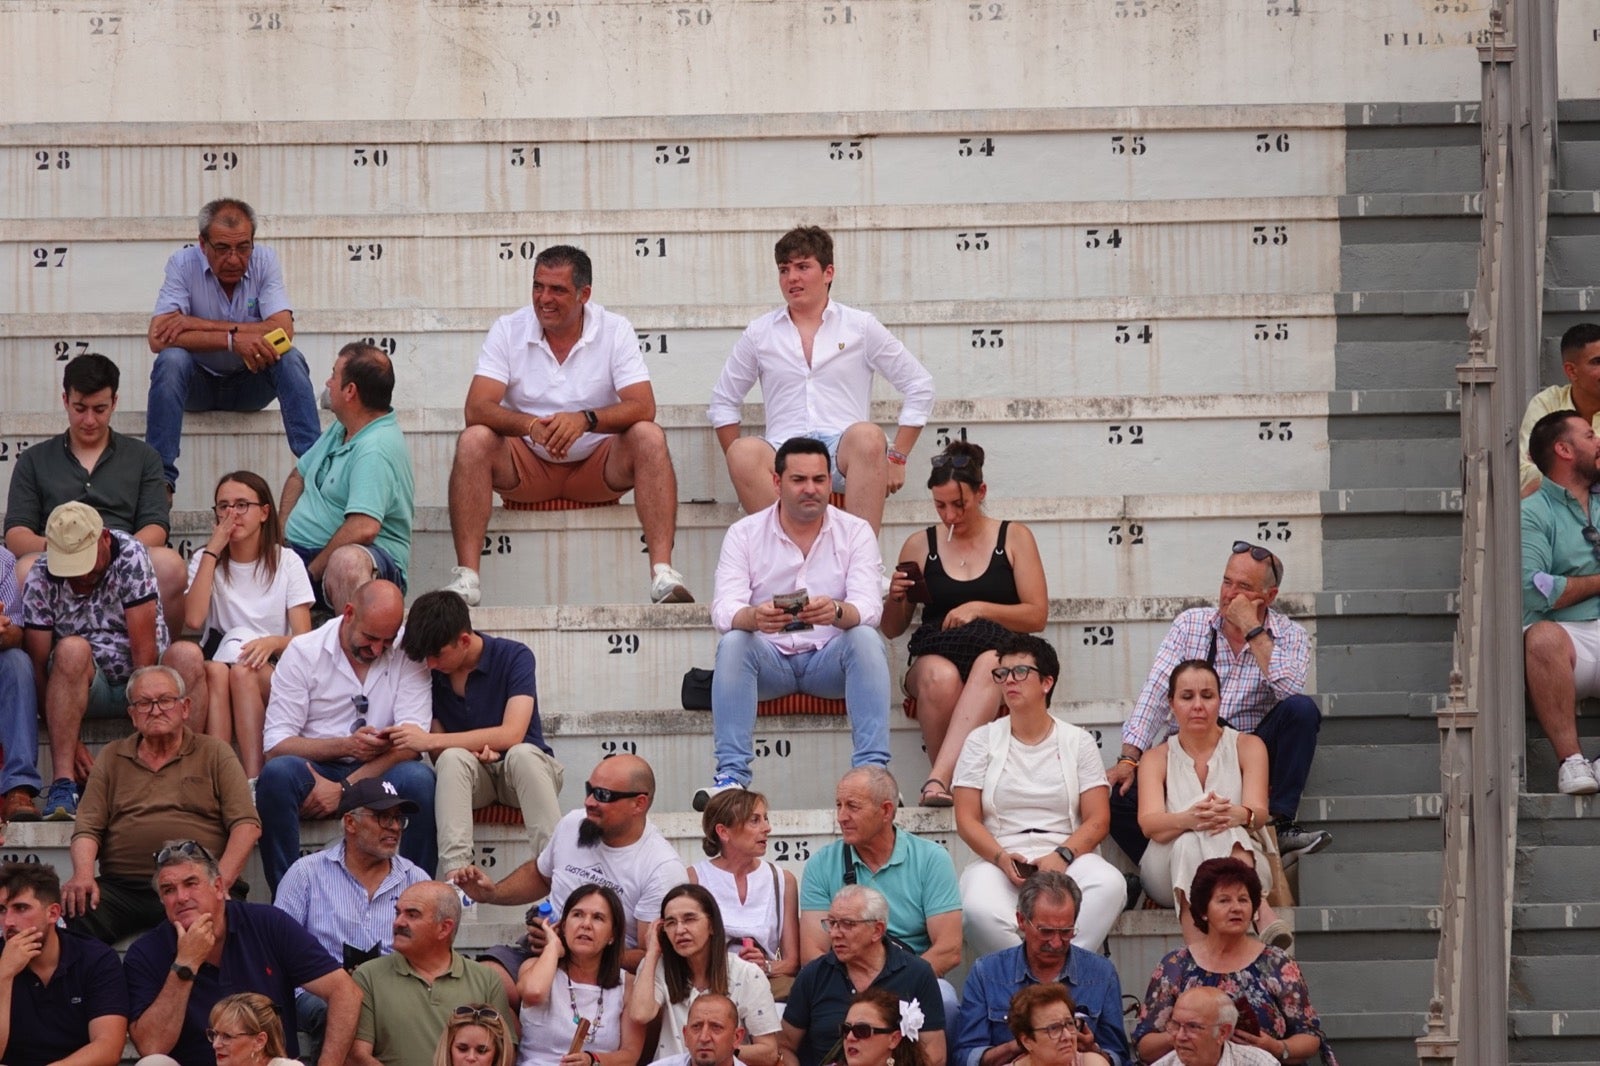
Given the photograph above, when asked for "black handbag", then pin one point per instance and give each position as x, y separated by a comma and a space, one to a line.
697, 689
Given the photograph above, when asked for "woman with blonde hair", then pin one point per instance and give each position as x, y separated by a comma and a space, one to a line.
474, 1035
245, 1031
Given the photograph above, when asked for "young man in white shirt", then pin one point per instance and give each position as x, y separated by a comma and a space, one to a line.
815, 359
825, 646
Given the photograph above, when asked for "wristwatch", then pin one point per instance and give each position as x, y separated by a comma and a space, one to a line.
1254, 633
1066, 854
183, 972
592, 418
838, 611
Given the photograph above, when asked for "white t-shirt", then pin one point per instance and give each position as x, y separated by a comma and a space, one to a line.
640, 873
605, 360
244, 602
750, 991
759, 915
1029, 794
548, 1029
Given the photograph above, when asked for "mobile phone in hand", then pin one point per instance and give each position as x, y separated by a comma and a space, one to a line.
918, 592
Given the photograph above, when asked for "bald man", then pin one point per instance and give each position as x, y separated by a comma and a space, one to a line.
712, 1034
336, 690
1201, 1032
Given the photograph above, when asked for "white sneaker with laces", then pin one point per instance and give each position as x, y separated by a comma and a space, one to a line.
1577, 778
668, 586
464, 583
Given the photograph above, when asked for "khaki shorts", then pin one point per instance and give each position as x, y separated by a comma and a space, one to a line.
581, 482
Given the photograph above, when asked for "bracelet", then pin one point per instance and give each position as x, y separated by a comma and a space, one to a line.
1250, 819
1129, 759
899, 458
531, 423
214, 555
593, 1060
1254, 633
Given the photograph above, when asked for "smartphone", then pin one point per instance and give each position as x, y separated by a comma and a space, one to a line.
279, 340
1248, 1022
1026, 869
918, 593
752, 942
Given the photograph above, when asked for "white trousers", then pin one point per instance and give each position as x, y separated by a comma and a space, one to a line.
989, 904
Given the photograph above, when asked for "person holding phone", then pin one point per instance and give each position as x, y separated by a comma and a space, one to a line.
1044, 1021
979, 580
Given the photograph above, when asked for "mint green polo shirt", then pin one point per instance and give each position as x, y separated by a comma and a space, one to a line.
1554, 549
919, 881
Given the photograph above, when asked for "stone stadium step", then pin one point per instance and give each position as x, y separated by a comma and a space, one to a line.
795, 161
974, 349
1116, 248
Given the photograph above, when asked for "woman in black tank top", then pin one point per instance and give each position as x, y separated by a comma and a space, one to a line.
985, 581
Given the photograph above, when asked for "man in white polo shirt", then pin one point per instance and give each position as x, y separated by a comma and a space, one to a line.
561, 408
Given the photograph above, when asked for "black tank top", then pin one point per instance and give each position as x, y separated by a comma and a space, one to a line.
997, 583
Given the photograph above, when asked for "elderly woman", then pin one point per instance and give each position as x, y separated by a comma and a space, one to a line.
1031, 794
1200, 793
1044, 1021
1223, 897
985, 581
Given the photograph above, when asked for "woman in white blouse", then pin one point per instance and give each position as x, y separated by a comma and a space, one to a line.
1031, 794
579, 976
760, 903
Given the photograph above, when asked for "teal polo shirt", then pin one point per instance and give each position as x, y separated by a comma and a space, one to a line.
919, 881
1554, 549
368, 474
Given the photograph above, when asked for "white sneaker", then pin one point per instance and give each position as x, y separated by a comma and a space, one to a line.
464, 583
668, 586
1577, 778
719, 784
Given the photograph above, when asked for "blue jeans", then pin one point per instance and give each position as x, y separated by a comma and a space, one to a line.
749, 668
284, 784
178, 384
19, 721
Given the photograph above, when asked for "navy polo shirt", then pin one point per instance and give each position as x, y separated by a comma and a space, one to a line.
504, 670
264, 951
50, 1022
821, 997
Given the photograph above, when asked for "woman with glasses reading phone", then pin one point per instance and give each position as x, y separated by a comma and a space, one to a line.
979, 580
573, 992
1045, 1022
474, 1035
245, 1031
248, 597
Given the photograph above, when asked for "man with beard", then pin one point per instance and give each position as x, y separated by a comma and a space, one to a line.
407, 997
712, 1034
345, 895
1561, 588
336, 690
610, 842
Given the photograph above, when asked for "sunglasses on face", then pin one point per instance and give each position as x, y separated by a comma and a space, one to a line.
1262, 555
608, 795
862, 1030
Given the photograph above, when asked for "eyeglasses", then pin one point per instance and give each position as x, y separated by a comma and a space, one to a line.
1262, 555
844, 925
1052, 932
1002, 674
184, 849
213, 1035
1188, 1028
241, 506
863, 1030
387, 817
242, 249
166, 703
1055, 1030
608, 795
477, 1014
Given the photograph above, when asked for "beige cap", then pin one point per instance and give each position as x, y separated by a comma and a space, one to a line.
73, 537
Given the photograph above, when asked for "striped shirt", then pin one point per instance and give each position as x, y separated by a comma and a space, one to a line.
321, 894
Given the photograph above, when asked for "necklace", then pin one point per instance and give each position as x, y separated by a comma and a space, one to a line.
572, 1001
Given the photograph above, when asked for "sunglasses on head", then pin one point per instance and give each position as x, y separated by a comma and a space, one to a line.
475, 1013
608, 795
186, 849
952, 462
1262, 555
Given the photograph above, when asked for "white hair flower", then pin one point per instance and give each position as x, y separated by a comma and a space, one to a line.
911, 1019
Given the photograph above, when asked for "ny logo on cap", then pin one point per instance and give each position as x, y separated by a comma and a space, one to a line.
387, 787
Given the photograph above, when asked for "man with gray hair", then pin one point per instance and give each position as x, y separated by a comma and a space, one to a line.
408, 996
860, 955
916, 876
1202, 1025
1047, 916
164, 782
221, 300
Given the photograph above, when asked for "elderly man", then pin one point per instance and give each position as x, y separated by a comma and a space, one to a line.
712, 1034
859, 956
487, 741
815, 360
210, 947
92, 618
335, 692
799, 593
1047, 914
345, 895
19, 707
347, 505
66, 997
611, 842
1202, 1029
165, 782
1561, 589
219, 300
561, 408
1261, 657
120, 477
408, 996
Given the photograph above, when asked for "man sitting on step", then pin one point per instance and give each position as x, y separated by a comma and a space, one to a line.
561, 408
19, 706
347, 506
815, 360
608, 841
1202, 1025
1580, 361
487, 742
1561, 589
798, 596
1261, 657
